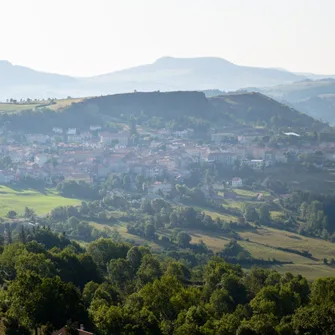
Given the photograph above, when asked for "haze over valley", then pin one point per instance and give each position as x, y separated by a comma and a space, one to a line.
189, 194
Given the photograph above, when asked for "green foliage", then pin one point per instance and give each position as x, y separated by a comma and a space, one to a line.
116, 288
183, 239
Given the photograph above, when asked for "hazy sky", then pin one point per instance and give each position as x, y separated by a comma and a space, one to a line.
85, 37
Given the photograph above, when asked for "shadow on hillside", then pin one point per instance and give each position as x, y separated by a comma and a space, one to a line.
25, 187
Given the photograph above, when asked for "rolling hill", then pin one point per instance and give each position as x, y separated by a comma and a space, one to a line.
256, 108
166, 74
186, 109
313, 97
240, 108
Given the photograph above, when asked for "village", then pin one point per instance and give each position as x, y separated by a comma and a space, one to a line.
161, 155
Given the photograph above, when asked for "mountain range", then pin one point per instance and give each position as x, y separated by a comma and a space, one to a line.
165, 74
309, 93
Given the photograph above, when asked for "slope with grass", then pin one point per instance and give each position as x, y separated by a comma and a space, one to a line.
267, 243
41, 202
56, 105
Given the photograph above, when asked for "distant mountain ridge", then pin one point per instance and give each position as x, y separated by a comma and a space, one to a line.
165, 74
313, 97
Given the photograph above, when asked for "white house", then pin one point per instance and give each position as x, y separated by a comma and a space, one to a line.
226, 158
72, 131
156, 186
236, 182
41, 159
95, 128
57, 130
74, 138
122, 138
37, 138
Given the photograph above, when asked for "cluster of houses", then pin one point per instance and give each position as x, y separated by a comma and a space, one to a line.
96, 153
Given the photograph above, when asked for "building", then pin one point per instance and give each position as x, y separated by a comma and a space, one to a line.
74, 138
72, 131
236, 182
184, 133
247, 139
57, 130
292, 134
95, 128
226, 158
160, 186
37, 138
64, 331
41, 159
121, 138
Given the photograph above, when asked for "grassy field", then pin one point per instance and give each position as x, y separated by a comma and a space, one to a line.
41, 202
276, 215
16, 108
122, 229
245, 193
214, 215
262, 243
62, 103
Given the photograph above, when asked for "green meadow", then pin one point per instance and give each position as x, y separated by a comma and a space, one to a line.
41, 201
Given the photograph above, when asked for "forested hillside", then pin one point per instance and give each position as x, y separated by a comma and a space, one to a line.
258, 109
187, 109
114, 287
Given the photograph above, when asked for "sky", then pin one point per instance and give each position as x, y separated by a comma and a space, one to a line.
86, 37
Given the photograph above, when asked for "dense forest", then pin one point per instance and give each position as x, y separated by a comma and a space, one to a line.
114, 287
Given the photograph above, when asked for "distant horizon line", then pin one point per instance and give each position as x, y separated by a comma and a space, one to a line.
278, 68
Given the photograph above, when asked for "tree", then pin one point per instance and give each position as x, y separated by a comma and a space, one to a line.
183, 239
39, 301
134, 257
89, 291
103, 250
149, 270
264, 215
8, 234
120, 272
29, 213
23, 235
150, 231
250, 213
11, 214
126, 181
37, 263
